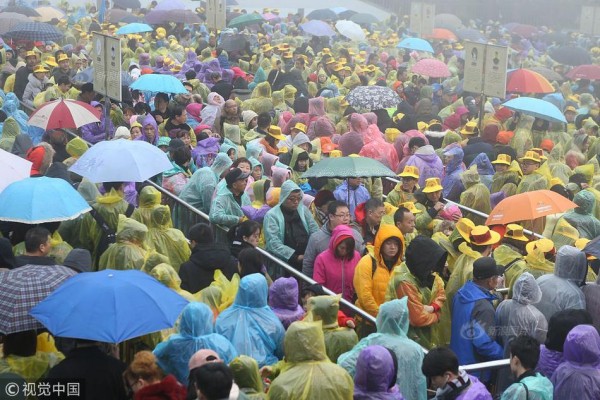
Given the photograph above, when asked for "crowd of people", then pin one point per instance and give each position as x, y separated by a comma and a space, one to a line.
254, 120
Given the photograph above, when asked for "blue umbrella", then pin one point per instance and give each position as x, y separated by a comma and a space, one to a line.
109, 306
159, 83
34, 31
135, 27
121, 161
417, 44
317, 28
38, 200
537, 108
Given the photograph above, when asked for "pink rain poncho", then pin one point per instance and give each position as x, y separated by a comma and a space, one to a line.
377, 148
352, 142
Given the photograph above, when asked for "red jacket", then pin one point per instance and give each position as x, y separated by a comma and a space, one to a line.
168, 388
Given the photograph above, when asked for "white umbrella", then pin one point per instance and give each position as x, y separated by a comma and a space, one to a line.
351, 30
12, 168
121, 161
48, 13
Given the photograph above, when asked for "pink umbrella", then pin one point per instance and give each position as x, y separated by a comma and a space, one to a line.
60, 114
589, 71
270, 16
432, 68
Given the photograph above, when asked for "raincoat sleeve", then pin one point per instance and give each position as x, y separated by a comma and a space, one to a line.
483, 321
416, 311
423, 220
273, 229
224, 212
92, 133
363, 285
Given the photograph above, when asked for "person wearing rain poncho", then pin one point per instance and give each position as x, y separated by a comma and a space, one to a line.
247, 377
226, 208
532, 179
308, 374
578, 376
338, 340
509, 254
476, 196
283, 300
300, 162
128, 252
165, 240
10, 130
582, 218
375, 377
259, 208
451, 182
199, 190
418, 280
404, 191
392, 328
260, 101
507, 176
561, 290
250, 325
149, 199
196, 332
288, 225
165, 274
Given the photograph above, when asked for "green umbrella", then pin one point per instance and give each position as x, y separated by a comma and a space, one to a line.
245, 19
348, 167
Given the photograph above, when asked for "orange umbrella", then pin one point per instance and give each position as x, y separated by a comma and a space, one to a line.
527, 81
442, 34
528, 206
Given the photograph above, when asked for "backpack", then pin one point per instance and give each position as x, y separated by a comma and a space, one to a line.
108, 236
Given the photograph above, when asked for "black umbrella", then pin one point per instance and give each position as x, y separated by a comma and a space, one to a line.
27, 11
34, 31
346, 14
364, 18
127, 4
233, 43
571, 55
322, 14
558, 37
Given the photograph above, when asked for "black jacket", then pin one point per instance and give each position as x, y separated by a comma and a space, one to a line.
197, 273
100, 375
21, 81
476, 146
223, 88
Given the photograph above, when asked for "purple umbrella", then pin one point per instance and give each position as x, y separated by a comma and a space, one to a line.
317, 28
177, 16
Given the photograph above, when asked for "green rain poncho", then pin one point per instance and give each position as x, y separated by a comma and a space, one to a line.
463, 270
260, 100
247, 377
30, 368
309, 374
476, 196
514, 263
149, 199
127, 252
557, 166
334, 109
582, 218
170, 242
296, 174
338, 340
507, 181
10, 130
522, 140
532, 182
392, 328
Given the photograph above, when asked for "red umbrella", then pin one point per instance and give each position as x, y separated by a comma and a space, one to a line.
586, 71
432, 68
523, 30
526, 81
442, 34
60, 114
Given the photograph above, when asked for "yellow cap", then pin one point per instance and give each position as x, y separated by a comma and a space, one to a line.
410, 206
464, 226
481, 235
515, 231
63, 57
544, 245
410, 171
275, 131
469, 128
300, 126
531, 156
40, 68
432, 185
31, 54
503, 159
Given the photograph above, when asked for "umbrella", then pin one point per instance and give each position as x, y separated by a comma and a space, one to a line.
364, 18
159, 83
130, 19
472, 35
448, 21
109, 306
346, 14
415, 44
12, 169
167, 5
233, 43
136, 27
526, 81
432, 68
351, 30
536, 107
323, 14
558, 37
121, 161
177, 16
23, 288
317, 28
133, 4
548, 74
338, 10
48, 13
526, 31
586, 71
61, 114
39, 200
245, 19
27, 11
442, 34
571, 55
9, 20
529, 206
348, 167
34, 31
116, 15
270, 16
368, 98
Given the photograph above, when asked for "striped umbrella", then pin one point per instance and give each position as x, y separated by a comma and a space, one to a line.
61, 114
34, 31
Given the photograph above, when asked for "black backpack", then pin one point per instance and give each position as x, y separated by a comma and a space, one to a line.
108, 236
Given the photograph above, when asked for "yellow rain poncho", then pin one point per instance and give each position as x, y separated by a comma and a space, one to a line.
522, 140
128, 251
170, 242
476, 196
507, 181
557, 166
532, 182
513, 262
221, 292
247, 377
30, 368
149, 199
260, 100
537, 263
463, 270
165, 274
279, 102
310, 375
563, 234
10, 131
338, 340
58, 251
334, 109
152, 260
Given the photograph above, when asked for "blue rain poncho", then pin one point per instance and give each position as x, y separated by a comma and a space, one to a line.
451, 181
196, 332
199, 190
561, 291
538, 388
251, 325
582, 218
392, 328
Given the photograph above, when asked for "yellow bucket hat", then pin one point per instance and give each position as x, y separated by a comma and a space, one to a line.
432, 185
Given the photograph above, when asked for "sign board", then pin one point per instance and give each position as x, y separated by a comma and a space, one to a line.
422, 16
587, 20
215, 14
474, 67
494, 74
106, 53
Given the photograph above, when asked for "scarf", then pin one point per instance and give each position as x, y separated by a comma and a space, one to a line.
454, 388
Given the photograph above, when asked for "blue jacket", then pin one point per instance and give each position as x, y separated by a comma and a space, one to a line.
357, 196
473, 326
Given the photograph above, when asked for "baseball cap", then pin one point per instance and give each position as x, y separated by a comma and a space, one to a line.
235, 175
486, 267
